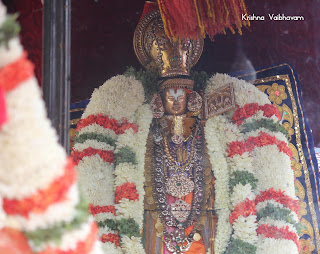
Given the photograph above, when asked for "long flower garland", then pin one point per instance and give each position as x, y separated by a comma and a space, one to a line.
262, 207
255, 208
38, 189
109, 150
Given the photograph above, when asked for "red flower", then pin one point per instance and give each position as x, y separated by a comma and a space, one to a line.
102, 209
270, 110
15, 73
106, 122
245, 112
251, 109
42, 199
237, 147
278, 233
279, 197
245, 208
113, 238
128, 191
107, 156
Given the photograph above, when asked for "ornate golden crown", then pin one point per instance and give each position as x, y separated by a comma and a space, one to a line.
172, 60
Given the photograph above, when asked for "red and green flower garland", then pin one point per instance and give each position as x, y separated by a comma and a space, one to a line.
38, 191
117, 146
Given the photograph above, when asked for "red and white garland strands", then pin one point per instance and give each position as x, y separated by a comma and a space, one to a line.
38, 189
258, 210
109, 152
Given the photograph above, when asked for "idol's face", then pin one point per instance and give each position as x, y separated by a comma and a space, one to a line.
175, 102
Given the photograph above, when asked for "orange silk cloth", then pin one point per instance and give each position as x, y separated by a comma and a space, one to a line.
196, 247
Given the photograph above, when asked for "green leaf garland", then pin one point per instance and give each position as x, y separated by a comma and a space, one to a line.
94, 136
147, 78
268, 124
238, 246
200, 80
125, 154
9, 29
126, 227
55, 233
242, 177
276, 213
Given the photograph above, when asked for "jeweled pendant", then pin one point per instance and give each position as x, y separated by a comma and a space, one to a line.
177, 139
179, 186
180, 210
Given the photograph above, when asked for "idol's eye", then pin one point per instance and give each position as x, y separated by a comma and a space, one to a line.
180, 98
171, 98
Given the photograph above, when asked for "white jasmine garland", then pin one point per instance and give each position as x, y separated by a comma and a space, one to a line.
216, 150
104, 216
11, 53
28, 117
56, 213
126, 172
232, 132
130, 209
132, 245
119, 97
223, 232
93, 144
96, 180
241, 162
266, 164
245, 93
245, 229
110, 248
105, 230
128, 139
241, 193
276, 246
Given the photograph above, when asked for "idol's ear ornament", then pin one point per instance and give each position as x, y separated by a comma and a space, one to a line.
194, 102
157, 106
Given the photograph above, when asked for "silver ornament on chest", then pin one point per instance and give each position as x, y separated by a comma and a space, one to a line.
180, 210
179, 186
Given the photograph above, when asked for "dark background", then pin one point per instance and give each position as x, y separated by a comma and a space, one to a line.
102, 32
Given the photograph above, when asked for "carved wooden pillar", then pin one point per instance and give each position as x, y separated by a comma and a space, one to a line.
56, 65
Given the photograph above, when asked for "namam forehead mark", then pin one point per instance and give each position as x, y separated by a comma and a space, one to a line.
176, 93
